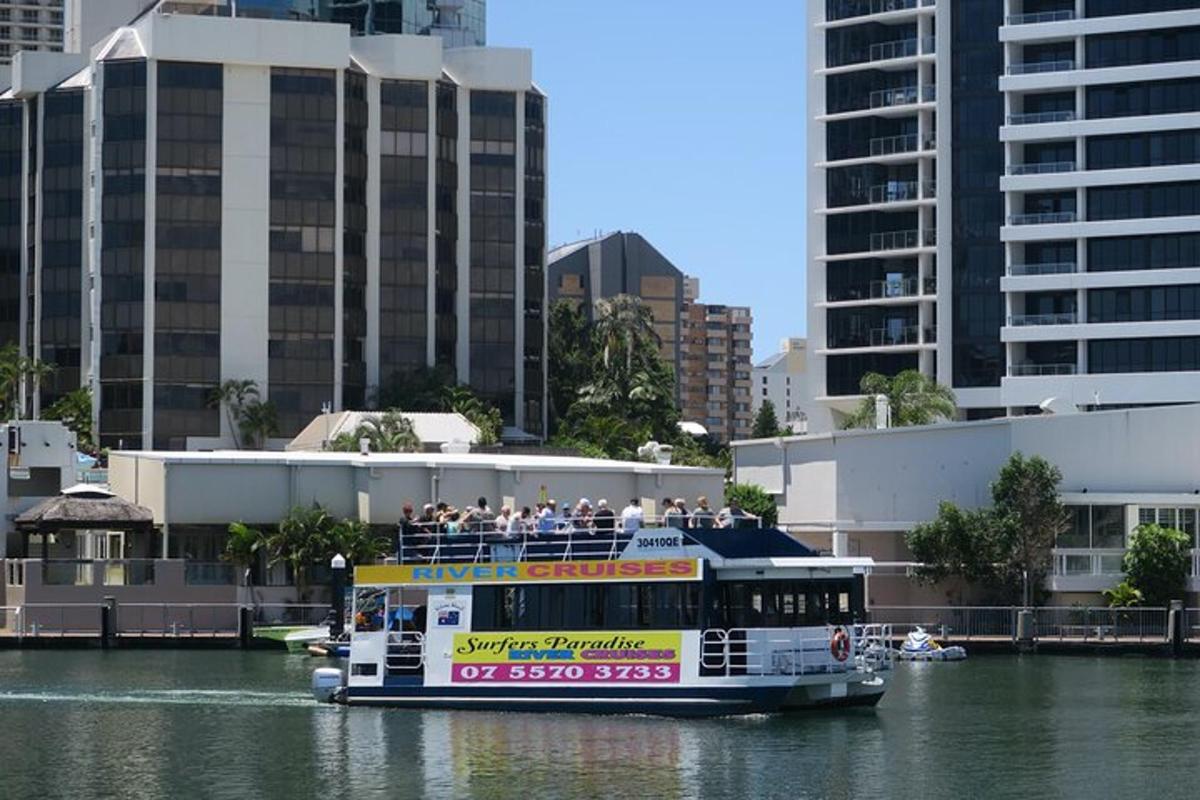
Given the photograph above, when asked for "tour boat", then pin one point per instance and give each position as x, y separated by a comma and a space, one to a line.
698, 622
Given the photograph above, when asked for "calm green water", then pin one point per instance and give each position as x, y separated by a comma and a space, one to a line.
241, 725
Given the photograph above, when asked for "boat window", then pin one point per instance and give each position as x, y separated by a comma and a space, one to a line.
781, 604
613, 606
368, 608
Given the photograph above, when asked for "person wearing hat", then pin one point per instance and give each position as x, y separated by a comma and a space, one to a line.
605, 519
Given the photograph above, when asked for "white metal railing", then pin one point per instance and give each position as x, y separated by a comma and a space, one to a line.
894, 240
60, 619
1106, 562
890, 145
1100, 624
899, 48
943, 622
794, 651
1024, 320
1040, 117
1023, 370
1041, 168
1041, 16
890, 337
1056, 268
894, 192
178, 619
1044, 218
900, 96
406, 653
905, 287
1035, 67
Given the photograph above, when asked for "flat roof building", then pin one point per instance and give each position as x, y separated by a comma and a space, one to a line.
272, 201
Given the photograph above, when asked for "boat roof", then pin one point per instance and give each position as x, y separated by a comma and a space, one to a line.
748, 543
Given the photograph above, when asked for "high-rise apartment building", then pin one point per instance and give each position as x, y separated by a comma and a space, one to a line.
782, 378
715, 383
35, 25
209, 198
1002, 195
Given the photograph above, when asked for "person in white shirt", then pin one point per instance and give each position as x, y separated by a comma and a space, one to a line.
632, 516
501, 522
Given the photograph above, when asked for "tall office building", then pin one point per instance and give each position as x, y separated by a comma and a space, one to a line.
1003, 195
208, 198
30, 25
462, 22
715, 377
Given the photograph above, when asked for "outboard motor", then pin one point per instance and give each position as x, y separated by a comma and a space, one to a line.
326, 682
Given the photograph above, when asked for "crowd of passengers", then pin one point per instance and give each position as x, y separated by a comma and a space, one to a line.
548, 519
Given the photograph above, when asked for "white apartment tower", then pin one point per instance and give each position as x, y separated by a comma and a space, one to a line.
30, 25
1005, 196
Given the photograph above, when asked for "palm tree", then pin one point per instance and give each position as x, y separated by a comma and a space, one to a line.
74, 409
303, 538
258, 422
19, 374
621, 322
914, 399
355, 540
233, 395
241, 550
390, 432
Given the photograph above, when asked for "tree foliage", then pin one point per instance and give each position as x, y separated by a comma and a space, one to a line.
1156, 563
18, 374
914, 399
74, 410
257, 422
389, 432
1123, 595
436, 389
1004, 547
310, 535
766, 423
754, 500
251, 419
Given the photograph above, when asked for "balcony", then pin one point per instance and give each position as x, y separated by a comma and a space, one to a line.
895, 336
1038, 67
853, 10
1040, 117
1041, 168
1029, 320
902, 240
1045, 218
903, 96
905, 143
1040, 17
1028, 370
901, 48
894, 192
1059, 268
886, 290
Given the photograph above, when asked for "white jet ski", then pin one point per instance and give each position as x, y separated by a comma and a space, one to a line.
920, 646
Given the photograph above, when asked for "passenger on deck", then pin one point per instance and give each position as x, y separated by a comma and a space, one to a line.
632, 516
545, 518
605, 519
500, 524
672, 517
703, 516
522, 523
486, 517
581, 520
733, 516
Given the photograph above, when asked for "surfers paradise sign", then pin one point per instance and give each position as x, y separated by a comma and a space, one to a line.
667, 569
566, 657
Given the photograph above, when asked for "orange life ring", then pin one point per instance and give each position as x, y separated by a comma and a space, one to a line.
839, 645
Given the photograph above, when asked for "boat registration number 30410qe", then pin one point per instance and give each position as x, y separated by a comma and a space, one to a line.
566, 657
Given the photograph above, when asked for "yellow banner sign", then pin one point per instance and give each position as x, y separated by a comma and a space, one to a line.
666, 569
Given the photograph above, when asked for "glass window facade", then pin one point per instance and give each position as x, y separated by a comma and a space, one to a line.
1177, 96
535, 249
303, 226
187, 262
1151, 149
62, 241
404, 220
354, 243
12, 124
405, 16
1162, 354
122, 254
843, 374
1155, 251
1144, 200
493, 248
977, 209
1144, 304
1143, 47
446, 228
1113, 8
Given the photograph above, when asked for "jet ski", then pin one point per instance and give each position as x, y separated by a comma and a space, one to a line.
920, 646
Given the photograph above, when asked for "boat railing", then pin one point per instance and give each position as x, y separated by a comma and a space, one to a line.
794, 651
405, 652
569, 539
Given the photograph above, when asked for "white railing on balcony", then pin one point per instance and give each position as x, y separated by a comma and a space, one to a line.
885, 7
1039, 117
1088, 561
1026, 370
1044, 218
900, 48
893, 337
1056, 268
905, 287
894, 240
902, 96
1041, 16
1026, 320
894, 192
890, 145
1041, 168
1035, 67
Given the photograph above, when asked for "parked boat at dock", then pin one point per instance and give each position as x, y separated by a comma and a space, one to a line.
920, 646
699, 622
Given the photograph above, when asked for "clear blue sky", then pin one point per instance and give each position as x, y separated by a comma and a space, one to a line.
683, 120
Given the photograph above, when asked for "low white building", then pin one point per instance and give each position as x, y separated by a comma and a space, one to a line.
858, 492
194, 496
432, 429
41, 461
782, 379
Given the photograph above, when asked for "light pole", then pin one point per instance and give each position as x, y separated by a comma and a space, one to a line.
337, 565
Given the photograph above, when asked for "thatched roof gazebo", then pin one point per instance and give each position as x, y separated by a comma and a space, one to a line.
83, 507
